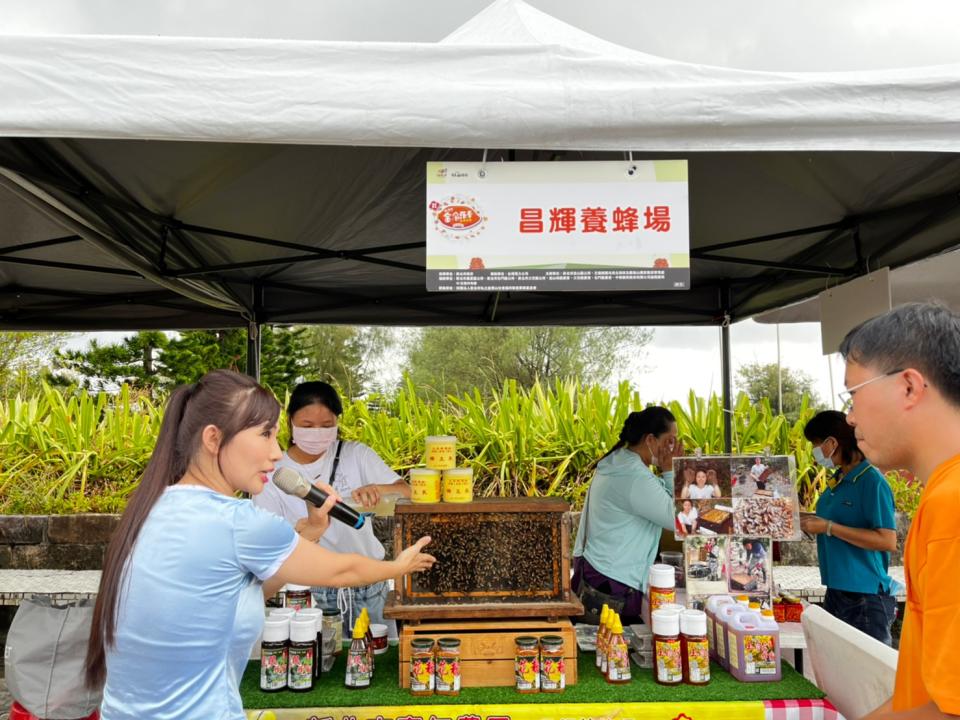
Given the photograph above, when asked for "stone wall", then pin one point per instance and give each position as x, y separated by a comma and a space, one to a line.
55, 542
79, 542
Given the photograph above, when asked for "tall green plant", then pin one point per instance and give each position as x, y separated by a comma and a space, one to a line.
76, 452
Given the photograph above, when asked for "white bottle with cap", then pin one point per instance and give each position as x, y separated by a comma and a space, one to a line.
274, 649
667, 659
661, 590
694, 647
302, 653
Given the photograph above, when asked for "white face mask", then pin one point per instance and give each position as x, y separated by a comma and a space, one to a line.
314, 441
653, 455
822, 460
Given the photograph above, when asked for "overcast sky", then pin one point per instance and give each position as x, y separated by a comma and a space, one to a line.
756, 34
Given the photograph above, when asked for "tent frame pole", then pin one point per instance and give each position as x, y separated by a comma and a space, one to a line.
726, 371
253, 332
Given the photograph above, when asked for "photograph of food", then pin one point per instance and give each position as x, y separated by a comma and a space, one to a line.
777, 518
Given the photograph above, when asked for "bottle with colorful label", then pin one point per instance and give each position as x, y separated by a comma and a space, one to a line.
359, 673
553, 670
667, 657
448, 666
302, 654
694, 648
618, 656
601, 637
661, 588
274, 653
526, 665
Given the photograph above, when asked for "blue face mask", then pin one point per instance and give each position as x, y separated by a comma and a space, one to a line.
822, 460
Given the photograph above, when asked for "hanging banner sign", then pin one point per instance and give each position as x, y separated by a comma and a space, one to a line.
621, 225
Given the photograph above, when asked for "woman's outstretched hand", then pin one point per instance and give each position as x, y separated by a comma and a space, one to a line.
413, 559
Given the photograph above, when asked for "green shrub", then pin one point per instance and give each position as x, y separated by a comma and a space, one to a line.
67, 452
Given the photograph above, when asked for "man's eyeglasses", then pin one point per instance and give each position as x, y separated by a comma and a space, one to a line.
846, 396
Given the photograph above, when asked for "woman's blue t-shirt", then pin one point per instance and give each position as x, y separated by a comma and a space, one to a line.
191, 606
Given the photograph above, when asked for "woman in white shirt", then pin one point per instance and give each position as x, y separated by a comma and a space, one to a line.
700, 489
353, 469
688, 518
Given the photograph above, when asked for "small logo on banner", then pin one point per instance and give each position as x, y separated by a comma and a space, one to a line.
457, 216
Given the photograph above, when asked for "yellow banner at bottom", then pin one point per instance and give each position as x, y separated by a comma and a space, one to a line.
752, 710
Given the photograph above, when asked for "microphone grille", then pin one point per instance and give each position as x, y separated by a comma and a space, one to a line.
289, 481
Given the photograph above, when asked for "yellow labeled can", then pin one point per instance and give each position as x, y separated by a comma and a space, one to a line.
425, 485
441, 452
458, 485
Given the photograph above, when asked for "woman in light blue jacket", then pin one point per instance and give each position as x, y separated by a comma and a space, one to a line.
628, 506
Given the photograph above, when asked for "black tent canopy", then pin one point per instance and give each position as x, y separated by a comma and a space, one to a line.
107, 234
156, 182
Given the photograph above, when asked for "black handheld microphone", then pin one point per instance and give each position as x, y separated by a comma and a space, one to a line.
291, 482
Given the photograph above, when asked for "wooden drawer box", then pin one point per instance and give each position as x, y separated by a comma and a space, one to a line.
487, 648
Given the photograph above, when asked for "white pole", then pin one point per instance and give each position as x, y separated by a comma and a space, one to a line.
779, 376
833, 394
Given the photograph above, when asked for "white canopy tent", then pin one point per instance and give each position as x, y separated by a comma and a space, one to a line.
512, 77
157, 182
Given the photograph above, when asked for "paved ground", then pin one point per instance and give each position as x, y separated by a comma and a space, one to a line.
5, 700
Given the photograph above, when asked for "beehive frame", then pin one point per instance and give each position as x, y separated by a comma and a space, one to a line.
484, 569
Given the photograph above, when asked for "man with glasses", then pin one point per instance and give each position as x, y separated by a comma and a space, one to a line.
903, 387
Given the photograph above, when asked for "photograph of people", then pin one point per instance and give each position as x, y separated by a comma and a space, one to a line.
687, 518
700, 489
749, 569
855, 529
627, 507
180, 602
757, 468
705, 559
354, 470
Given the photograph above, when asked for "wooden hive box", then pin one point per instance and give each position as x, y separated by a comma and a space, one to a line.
495, 558
487, 648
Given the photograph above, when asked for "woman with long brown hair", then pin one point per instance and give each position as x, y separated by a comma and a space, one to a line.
181, 595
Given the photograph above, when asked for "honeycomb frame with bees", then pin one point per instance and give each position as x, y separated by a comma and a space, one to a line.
496, 557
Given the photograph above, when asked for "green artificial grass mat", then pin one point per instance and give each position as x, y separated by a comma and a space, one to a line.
329, 690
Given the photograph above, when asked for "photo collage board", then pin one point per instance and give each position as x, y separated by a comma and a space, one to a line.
728, 510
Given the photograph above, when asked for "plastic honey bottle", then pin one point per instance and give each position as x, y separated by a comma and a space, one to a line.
601, 636
667, 658
302, 654
714, 603
618, 655
359, 674
694, 647
368, 637
605, 655
661, 586
724, 615
754, 647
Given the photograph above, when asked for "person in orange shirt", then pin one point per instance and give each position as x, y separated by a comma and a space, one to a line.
903, 387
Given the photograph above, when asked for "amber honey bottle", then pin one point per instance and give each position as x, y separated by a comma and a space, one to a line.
618, 656
448, 667
694, 647
667, 656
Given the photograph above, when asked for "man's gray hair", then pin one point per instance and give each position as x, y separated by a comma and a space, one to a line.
923, 336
